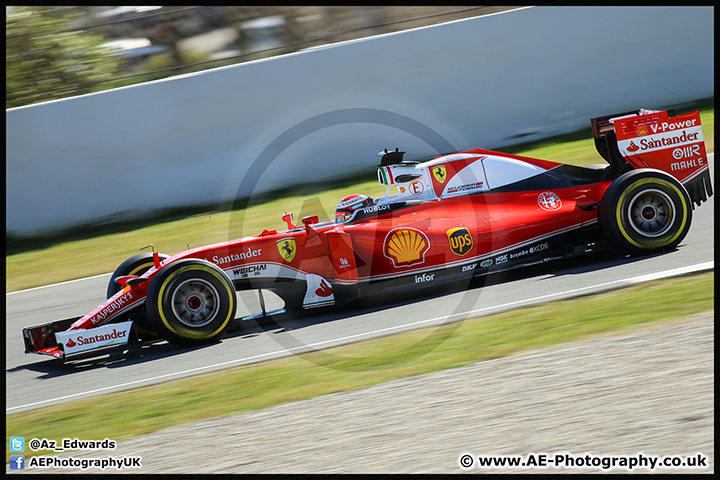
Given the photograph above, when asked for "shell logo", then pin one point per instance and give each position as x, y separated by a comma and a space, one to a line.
406, 247
641, 129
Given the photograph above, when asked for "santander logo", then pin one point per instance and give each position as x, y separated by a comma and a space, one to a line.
80, 340
632, 147
325, 290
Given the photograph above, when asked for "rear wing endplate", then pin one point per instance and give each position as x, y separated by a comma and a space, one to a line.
656, 139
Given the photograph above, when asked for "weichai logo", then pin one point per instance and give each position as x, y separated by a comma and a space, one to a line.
460, 240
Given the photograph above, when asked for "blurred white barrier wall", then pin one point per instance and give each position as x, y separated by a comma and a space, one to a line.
483, 82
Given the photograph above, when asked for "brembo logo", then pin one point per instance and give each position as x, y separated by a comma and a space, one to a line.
80, 340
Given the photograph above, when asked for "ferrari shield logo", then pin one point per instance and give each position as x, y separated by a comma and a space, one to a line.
439, 173
287, 248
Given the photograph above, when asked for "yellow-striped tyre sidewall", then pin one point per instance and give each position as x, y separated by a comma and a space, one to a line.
135, 265
615, 215
160, 293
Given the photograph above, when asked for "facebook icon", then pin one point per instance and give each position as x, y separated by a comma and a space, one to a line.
17, 462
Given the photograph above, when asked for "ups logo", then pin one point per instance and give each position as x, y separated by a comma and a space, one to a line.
460, 240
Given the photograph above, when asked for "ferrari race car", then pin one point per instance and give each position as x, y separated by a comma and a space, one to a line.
450, 218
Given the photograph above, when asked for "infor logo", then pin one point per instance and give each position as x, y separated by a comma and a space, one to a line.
549, 201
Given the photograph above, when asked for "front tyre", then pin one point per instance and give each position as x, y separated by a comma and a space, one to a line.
190, 302
135, 265
645, 211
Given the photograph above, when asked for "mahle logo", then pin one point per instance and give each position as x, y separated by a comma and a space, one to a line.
460, 240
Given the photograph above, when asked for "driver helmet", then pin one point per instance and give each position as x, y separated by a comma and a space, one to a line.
350, 204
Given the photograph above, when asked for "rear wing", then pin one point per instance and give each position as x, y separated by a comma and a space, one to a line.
656, 139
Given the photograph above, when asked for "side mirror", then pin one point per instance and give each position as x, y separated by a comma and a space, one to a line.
288, 218
307, 221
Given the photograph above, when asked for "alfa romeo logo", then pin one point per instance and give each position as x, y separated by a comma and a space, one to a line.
549, 201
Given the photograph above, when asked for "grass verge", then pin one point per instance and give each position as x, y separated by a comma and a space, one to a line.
31, 262
125, 414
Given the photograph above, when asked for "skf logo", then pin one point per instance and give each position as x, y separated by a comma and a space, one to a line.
287, 248
439, 173
460, 240
406, 247
549, 201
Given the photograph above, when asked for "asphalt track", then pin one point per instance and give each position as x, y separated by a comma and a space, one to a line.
34, 381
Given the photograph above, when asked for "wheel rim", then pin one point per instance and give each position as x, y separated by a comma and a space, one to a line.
195, 303
651, 213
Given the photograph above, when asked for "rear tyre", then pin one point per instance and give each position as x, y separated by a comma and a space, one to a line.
190, 302
135, 265
645, 211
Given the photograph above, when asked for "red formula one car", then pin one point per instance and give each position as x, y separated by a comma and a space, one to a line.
446, 219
